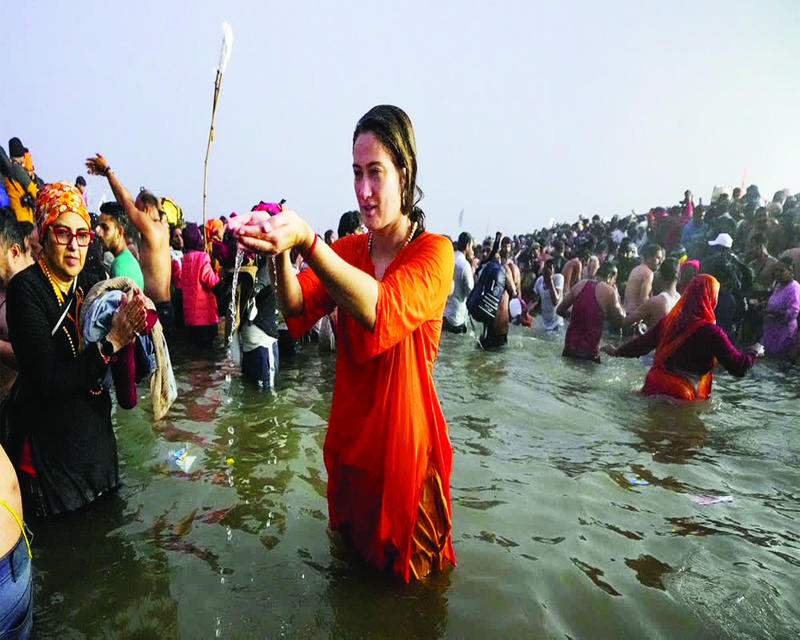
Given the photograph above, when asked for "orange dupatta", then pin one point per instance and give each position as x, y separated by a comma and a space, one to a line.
694, 309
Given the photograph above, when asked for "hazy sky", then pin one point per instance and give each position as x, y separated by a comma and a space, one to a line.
522, 111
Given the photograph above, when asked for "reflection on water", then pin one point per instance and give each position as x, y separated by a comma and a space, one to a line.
91, 578
577, 505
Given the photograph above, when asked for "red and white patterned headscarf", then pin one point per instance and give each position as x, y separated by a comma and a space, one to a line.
55, 199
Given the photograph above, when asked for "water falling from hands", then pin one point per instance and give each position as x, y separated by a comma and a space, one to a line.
233, 303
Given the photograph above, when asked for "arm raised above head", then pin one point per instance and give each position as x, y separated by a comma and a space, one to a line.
98, 166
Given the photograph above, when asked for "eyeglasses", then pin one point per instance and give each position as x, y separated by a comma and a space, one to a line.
64, 235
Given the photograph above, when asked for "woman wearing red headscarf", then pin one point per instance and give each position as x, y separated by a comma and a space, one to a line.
688, 344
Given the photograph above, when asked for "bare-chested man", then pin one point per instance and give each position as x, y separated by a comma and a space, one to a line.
573, 270
659, 305
154, 256
640, 282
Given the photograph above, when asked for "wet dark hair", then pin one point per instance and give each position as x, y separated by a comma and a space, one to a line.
117, 212
192, 237
669, 270
80, 181
787, 262
677, 251
348, 223
464, 238
393, 129
148, 199
606, 269
650, 250
758, 238
11, 231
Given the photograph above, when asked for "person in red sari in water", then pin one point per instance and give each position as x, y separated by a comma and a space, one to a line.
688, 344
387, 450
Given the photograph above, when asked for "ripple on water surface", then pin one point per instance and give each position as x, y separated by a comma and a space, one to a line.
580, 508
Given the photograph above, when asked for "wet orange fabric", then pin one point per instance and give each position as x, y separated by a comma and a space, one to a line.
431, 530
386, 432
661, 381
694, 309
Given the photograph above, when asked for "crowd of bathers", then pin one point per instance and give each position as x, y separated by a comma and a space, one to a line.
641, 263
91, 300
646, 259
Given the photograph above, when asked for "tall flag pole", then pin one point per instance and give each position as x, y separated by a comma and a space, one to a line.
224, 56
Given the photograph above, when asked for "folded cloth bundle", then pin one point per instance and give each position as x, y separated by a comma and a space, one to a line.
95, 318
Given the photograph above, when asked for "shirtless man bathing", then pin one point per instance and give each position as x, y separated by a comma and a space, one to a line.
154, 256
640, 281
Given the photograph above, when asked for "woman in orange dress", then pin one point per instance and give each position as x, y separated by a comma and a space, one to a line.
387, 450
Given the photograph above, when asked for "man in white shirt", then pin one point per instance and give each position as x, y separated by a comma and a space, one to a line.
455, 311
550, 289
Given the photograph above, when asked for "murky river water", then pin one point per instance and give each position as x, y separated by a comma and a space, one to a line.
574, 506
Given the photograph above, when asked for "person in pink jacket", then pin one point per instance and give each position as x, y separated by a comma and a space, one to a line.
197, 281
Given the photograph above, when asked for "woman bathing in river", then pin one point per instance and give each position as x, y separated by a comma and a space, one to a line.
387, 450
61, 439
688, 344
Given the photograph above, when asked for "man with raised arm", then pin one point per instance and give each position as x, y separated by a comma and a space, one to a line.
154, 256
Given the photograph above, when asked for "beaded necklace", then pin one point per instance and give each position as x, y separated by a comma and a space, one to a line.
60, 298
410, 237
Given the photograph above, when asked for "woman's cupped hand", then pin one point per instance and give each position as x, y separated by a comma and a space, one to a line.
271, 234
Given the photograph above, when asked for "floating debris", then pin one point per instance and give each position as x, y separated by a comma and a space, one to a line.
182, 459
706, 500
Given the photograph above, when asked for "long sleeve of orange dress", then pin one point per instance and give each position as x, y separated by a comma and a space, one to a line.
387, 450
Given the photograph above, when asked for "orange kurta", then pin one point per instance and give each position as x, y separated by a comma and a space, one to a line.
387, 436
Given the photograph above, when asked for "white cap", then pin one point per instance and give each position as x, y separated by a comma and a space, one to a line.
722, 240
